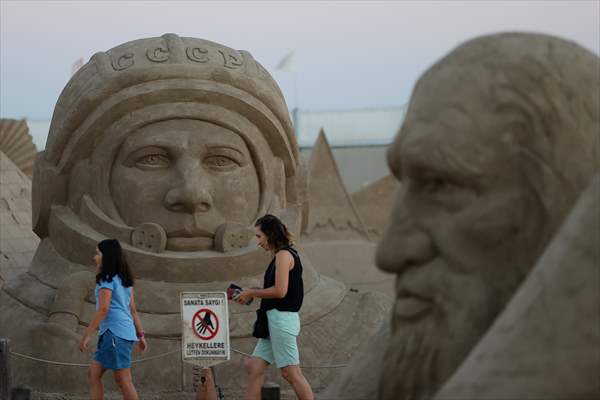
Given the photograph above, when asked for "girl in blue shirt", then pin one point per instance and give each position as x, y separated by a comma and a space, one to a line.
117, 320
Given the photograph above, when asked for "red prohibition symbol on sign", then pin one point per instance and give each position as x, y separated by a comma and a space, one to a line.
205, 324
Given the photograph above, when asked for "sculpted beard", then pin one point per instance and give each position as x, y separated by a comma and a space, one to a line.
410, 369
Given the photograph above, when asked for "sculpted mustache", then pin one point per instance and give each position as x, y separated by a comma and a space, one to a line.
416, 282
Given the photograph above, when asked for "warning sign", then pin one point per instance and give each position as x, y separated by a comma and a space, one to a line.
206, 324
205, 328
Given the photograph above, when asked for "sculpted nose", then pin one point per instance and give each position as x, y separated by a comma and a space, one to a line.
191, 195
403, 244
188, 199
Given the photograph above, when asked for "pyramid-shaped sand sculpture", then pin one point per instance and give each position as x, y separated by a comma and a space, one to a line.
332, 214
374, 204
17, 144
17, 241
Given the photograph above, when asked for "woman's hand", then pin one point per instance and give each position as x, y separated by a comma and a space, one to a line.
83, 343
142, 345
244, 296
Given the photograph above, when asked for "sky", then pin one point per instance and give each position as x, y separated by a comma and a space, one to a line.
345, 54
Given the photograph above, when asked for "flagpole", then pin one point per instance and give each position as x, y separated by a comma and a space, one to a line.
287, 65
296, 105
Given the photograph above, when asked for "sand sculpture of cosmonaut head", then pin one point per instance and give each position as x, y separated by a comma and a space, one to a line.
172, 145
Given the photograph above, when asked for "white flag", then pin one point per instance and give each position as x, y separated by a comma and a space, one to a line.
287, 63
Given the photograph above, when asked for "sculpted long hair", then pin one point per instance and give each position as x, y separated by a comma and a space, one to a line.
276, 232
113, 263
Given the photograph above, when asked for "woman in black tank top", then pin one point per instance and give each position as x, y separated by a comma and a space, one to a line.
281, 299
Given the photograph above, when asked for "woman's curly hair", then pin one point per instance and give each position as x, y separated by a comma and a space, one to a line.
276, 232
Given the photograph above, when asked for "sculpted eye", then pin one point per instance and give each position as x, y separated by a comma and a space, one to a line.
445, 192
156, 160
224, 158
434, 185
221, 163
149, 158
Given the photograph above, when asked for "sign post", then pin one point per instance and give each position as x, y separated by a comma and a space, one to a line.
205, 328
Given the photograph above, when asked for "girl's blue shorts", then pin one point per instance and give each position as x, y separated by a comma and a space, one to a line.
281, 346
113, 352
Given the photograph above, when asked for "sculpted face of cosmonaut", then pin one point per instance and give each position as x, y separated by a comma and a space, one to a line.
189, 176
485, 183
180, 146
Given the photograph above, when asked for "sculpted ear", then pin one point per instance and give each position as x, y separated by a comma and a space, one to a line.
279, 200
80, 183
48, 188
552, 192
289, 195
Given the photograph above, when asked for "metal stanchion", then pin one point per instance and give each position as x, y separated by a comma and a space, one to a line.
270, 391
21, 392
5, 374
206, 389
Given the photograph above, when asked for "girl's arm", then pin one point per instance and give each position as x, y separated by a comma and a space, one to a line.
283, 264
134, 315
139, 331
104, 297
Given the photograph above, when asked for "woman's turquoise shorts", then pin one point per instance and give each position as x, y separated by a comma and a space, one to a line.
113, 352
281, 346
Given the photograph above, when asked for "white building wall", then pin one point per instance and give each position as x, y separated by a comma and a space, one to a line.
359, 166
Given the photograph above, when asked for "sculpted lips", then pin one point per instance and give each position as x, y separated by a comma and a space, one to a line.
411, 304
184, 240
414, 290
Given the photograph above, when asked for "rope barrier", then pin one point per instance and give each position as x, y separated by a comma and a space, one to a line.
156, 356
87, 365
303, 366
14, 353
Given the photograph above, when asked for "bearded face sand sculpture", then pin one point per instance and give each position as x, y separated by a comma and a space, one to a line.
500, 138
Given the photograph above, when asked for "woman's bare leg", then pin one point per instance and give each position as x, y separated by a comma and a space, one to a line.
125, 383
95, 373
255, 371
294, 376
